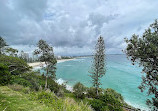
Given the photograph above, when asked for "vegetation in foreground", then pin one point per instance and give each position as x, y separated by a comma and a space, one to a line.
24, 100
17, 97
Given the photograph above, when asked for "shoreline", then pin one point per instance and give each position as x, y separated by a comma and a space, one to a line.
39, 64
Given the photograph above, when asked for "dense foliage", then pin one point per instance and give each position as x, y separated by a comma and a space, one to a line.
107, 103
144, 51
37, 82
10, 67
16, 71
15, 65
5, 75
112, 92
108, 100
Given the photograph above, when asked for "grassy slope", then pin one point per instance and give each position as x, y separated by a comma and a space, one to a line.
15, 101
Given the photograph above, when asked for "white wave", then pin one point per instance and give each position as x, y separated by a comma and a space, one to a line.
79, 60
61, 81
37, 68
67, 65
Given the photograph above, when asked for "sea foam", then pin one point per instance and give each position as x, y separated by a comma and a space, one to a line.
61, 81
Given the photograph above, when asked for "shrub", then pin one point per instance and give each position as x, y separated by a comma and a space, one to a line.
114, 94
91, 92
97, 104
53, 86
21, 81
110, 100
5, 75
35, 81
79, 90
27, 80
26, 90
42, 95
106, 103
46, 97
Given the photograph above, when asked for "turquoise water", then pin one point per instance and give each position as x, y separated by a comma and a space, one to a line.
121, 76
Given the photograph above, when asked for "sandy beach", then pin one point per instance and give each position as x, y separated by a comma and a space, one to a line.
38, 64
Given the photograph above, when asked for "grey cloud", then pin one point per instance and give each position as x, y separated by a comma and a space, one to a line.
98, 20
74, 25
30, 8
19, 21
8, 21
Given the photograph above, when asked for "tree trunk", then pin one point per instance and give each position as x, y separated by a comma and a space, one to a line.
0, 51
97, 83
97, 91
46, 83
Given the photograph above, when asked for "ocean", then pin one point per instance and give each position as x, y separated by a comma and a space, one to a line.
121, 76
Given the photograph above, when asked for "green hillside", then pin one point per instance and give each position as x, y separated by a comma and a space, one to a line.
18, 101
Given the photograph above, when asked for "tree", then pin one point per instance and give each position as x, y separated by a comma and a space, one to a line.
98, 67
79, 90
46, 55
144, 51
2, 44
11, 51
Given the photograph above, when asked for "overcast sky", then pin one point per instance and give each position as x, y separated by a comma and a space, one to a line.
73, 26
